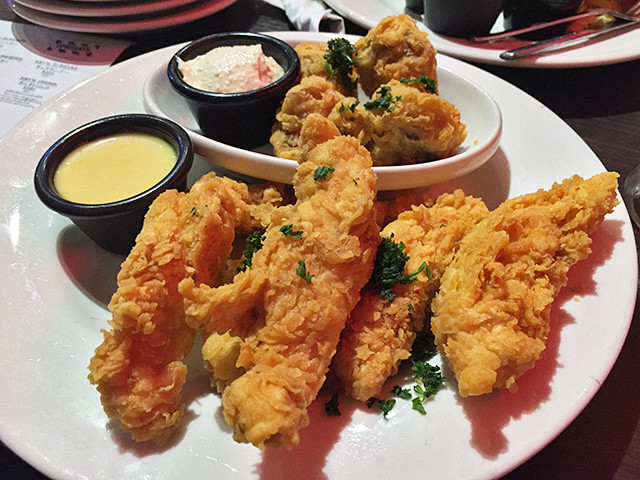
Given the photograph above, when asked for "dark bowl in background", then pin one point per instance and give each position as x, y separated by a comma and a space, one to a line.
524, 13
461, 18
242, 119
113, 226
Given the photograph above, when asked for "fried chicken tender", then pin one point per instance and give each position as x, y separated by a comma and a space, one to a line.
380, 333
137, 368
313, 94
393, 49
415, 127
491, 315
291, 305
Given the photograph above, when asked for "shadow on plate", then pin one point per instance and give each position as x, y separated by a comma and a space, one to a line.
308, 459
490, 414
491, 182
90, 268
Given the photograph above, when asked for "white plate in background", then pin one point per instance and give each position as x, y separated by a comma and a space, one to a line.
622, 48
137, 23
99, 9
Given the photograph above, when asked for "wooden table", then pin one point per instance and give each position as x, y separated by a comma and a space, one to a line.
602, 104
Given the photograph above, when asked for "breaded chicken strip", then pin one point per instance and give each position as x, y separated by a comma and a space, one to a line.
313, 94
380, 333
293, 302
395, 48
137, 368
491, 315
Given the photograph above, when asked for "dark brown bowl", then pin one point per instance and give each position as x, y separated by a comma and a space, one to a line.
242, 119
114, 225
461, 18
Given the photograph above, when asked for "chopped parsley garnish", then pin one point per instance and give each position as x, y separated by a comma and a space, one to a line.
424, 346
384, 100
429, 376
385, 405
322, 171
416, 404
340, 60
428, 380
331, 407
429, 84
194, 211
344, 108
411, 308
288, 231
404, 393
301, 271
254, 243
389, 266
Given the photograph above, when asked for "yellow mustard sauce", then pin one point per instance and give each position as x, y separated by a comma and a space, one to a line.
114, 168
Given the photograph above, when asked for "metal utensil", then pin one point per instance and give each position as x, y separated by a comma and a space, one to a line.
633, 11
572, 39
508, 34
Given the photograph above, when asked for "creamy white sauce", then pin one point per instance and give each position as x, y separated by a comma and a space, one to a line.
239, 68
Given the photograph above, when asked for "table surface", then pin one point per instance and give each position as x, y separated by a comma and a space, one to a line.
602, 104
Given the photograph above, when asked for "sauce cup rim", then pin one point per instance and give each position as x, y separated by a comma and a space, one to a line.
123, 123
228, 39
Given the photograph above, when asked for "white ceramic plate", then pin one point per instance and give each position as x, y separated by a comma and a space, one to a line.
478, 111
135, 23
99, 9
367, 14
56, 283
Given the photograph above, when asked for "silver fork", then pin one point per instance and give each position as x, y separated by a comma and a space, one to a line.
631, 14
631, 18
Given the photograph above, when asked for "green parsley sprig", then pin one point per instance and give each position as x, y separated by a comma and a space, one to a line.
429, 84
385, 406
340, 60
322, 171
384, 100
301, 271
288, 231
253, 244
389, 266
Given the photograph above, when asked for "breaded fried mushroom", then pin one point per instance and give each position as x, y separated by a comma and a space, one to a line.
395, 48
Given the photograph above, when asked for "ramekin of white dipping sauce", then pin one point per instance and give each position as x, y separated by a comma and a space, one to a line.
249, 83
105, 174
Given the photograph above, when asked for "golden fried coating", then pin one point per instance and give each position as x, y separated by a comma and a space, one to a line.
491, 315
417, 127
414, 126
393, 49
313, 94
380, 333
137, 368
293, 302
220, 354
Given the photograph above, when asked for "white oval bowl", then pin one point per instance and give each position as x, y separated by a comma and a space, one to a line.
479, 112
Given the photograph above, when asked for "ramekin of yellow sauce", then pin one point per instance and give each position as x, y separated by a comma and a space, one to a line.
105, 174
113, 168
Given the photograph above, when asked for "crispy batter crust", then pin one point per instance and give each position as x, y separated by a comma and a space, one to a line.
491, 315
